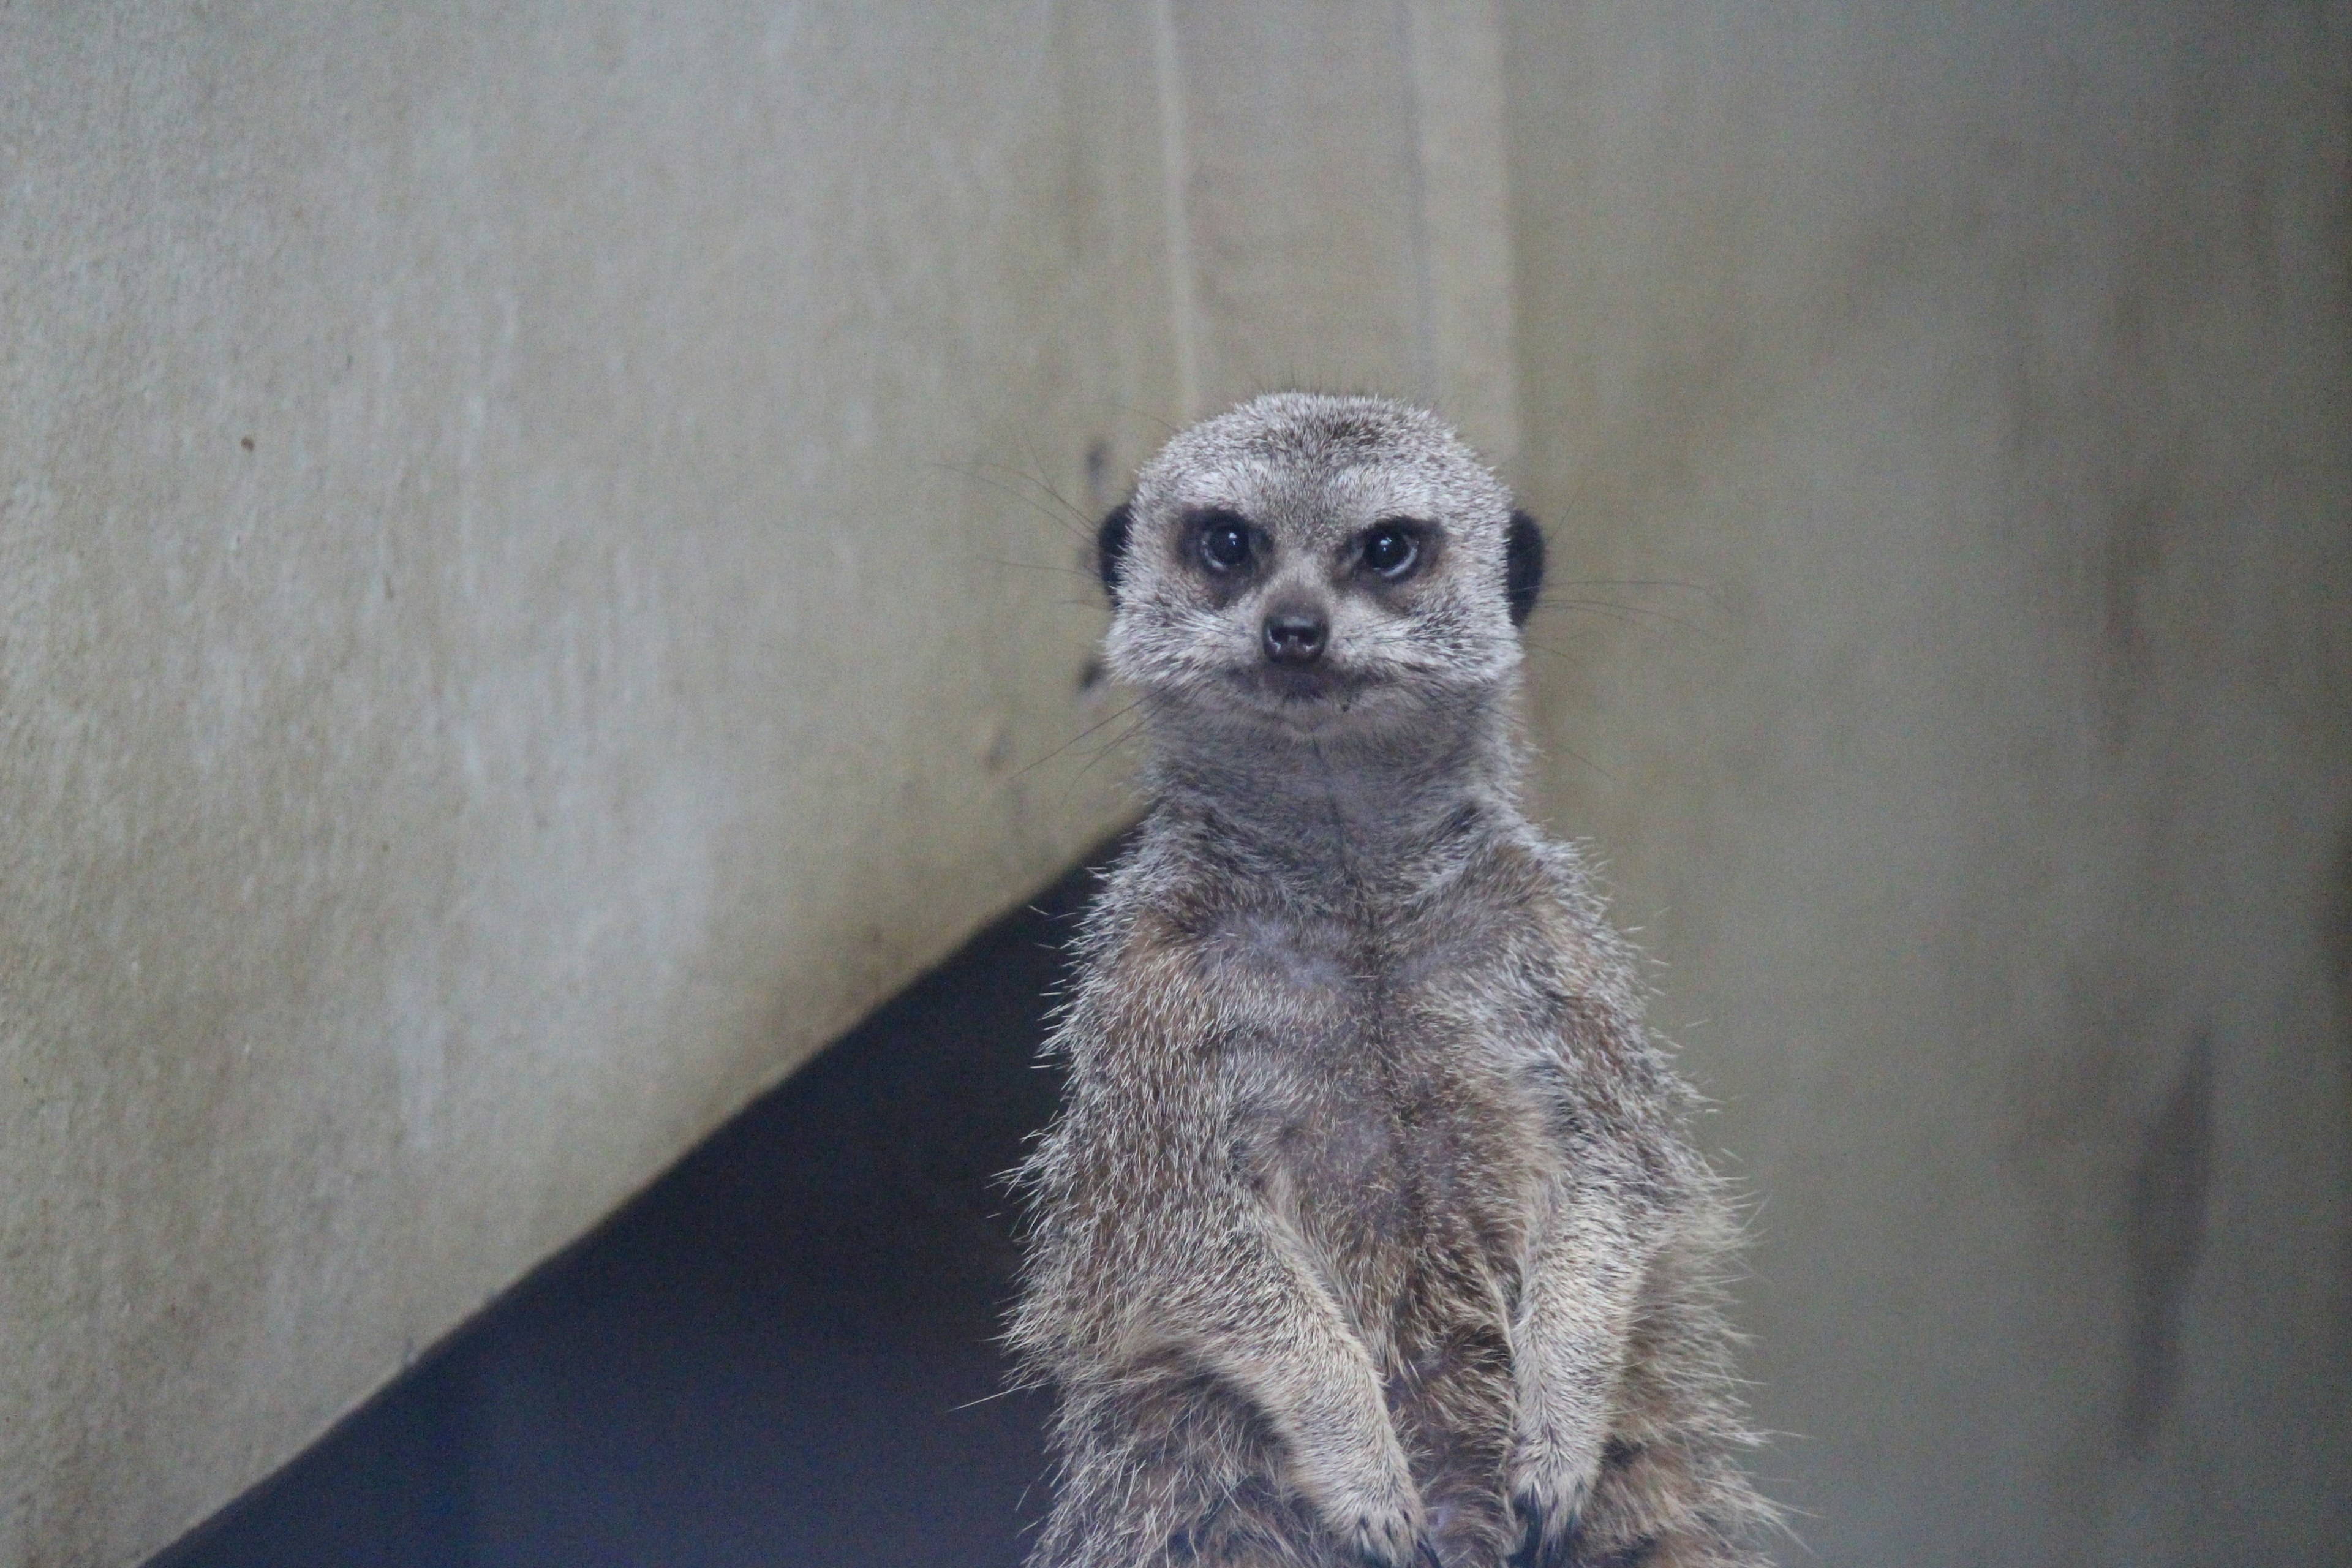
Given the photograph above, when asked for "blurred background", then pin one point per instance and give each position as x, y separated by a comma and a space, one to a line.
540, 583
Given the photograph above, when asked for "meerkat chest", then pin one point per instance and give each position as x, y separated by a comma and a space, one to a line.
1375, 1102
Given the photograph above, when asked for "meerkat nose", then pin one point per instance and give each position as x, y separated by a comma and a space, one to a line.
1295, 635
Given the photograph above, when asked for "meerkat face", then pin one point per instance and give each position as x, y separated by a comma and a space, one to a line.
1318, 565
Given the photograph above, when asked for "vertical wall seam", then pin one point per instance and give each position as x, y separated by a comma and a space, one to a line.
1411, 40
1175, 174
1463, 243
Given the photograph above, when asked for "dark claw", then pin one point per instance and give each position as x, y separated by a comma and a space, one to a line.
1424, 1555
1530, 1550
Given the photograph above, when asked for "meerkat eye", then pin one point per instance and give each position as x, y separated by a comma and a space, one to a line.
1392, 549
1224, 543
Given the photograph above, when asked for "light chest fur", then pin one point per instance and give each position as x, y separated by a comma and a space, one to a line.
1383, 1105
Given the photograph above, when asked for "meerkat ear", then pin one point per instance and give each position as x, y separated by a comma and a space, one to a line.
1523, 565
1110, 549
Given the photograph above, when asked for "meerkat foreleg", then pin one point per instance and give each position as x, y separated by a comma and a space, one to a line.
1273, 1329
1568, 1349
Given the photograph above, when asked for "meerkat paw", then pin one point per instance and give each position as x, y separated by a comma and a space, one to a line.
1377, 1513
1389, 1535
1552, 1476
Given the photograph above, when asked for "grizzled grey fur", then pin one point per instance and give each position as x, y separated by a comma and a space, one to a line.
1367, 1230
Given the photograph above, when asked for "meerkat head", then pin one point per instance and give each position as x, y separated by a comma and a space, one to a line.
1318, 567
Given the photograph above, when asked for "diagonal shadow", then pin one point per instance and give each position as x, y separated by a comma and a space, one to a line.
783, 1352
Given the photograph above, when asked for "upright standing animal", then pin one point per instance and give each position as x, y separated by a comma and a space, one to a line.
1367, 1230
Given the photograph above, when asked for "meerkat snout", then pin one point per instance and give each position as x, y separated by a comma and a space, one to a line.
1294, 634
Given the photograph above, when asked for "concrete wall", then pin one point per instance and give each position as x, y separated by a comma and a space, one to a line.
1950, 416
628, 643
530, 599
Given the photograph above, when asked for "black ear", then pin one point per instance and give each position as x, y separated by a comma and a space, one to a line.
1110, 549
1523, 551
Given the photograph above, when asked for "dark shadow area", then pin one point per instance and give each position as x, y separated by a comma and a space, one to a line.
782, 1352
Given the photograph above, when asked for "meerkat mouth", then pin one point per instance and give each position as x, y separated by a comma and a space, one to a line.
1302, 688
1304, 701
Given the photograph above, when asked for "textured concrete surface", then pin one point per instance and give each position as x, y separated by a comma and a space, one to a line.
1948, 417
532, 599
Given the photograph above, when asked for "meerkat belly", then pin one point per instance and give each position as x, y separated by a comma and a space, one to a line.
1402, 1148
1408, 1171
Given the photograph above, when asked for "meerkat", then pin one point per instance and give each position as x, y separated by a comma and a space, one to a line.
1367, 1230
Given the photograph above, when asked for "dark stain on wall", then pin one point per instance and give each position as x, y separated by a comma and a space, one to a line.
2335, 954
2140, 486
2142, 517
2164, 1236
2336, 925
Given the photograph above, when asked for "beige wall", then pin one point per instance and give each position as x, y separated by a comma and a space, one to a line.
1984, 778
530, 601
628, 646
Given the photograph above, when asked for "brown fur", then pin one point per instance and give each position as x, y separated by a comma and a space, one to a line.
1367, 1230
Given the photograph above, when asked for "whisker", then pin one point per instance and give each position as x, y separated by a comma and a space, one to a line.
1547, 650
1081, 735
1588, 761
1081, 530
1036, 566
1699, 588
1067, 505
1035, 476
1632, 613
1105, 749
1148, 417
983, 1399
